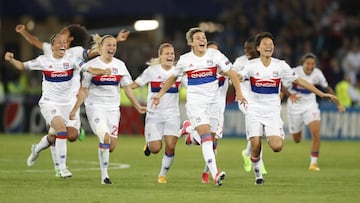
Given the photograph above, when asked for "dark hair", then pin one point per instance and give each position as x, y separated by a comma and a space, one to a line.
212, 43
79, 34
307, 56
250, 40
261, 36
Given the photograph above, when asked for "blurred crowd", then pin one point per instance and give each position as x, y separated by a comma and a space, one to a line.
328, 28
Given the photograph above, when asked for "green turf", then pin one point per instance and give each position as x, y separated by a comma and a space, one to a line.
288, 179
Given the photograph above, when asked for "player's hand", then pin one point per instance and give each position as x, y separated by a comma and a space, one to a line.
294, 98
20, 28
122, 35
72, 115
155, 101
141, 109
242, 100
107, 71
341, 108
9, 56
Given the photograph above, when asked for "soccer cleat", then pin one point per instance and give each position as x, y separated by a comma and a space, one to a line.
262, 169
247, 161
65, 173
146, 150
259, 181
57, 173
162, 179
33, 156
314, 167
188, 140
183, 131
220, 176
106, 181
82, 135
205, 178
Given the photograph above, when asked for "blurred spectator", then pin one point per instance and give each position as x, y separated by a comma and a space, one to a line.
346, 93
351, 62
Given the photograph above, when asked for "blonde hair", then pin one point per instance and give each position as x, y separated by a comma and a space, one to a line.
191, 32
98, 41
156, 61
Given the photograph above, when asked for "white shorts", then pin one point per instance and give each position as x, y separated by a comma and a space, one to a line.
297, 120
104, 119
257, 126
156, 128
203, 113
49, 111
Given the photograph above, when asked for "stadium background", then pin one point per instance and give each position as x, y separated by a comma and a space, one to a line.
325, 27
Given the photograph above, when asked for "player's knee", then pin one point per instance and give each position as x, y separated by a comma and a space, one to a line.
73, 133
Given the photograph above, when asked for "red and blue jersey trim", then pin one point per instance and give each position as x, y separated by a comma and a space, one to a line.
297, 88
58, 76
265, 86
201, 76
106, 79
156, 86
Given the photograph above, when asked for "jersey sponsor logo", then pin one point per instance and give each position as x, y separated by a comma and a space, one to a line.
58, 76
201, 76
106, 79
265, 86
156, 87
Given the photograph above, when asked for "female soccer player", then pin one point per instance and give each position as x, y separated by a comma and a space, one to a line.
101, 94
201, 66
58, 70
302, 107
77, 40
266, 74
164, 121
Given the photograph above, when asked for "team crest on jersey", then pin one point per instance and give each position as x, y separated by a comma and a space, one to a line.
209, 62
50, 67
66, 65
227, 62
257, 74
115, 70
276, 74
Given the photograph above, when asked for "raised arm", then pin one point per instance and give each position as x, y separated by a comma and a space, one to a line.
16, 63
29, 37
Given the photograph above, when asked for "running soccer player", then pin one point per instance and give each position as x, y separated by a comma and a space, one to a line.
201, 66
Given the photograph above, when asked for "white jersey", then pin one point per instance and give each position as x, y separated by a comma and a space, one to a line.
238, 66
307, 98
104, 90
265, 83
155, 76
77, 51
57, 77
201, 73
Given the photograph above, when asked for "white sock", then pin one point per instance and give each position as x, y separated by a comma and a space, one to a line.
208, 154
256, 167
104, 157
248, 149
313, 160
43, 144
61, 148
166, 163
54, 156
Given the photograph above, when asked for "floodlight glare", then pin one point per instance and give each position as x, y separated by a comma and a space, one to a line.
146, 25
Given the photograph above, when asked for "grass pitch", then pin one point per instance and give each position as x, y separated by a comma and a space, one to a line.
134, 176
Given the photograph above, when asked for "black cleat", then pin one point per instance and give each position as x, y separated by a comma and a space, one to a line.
259, 181
106, 181
146, 150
